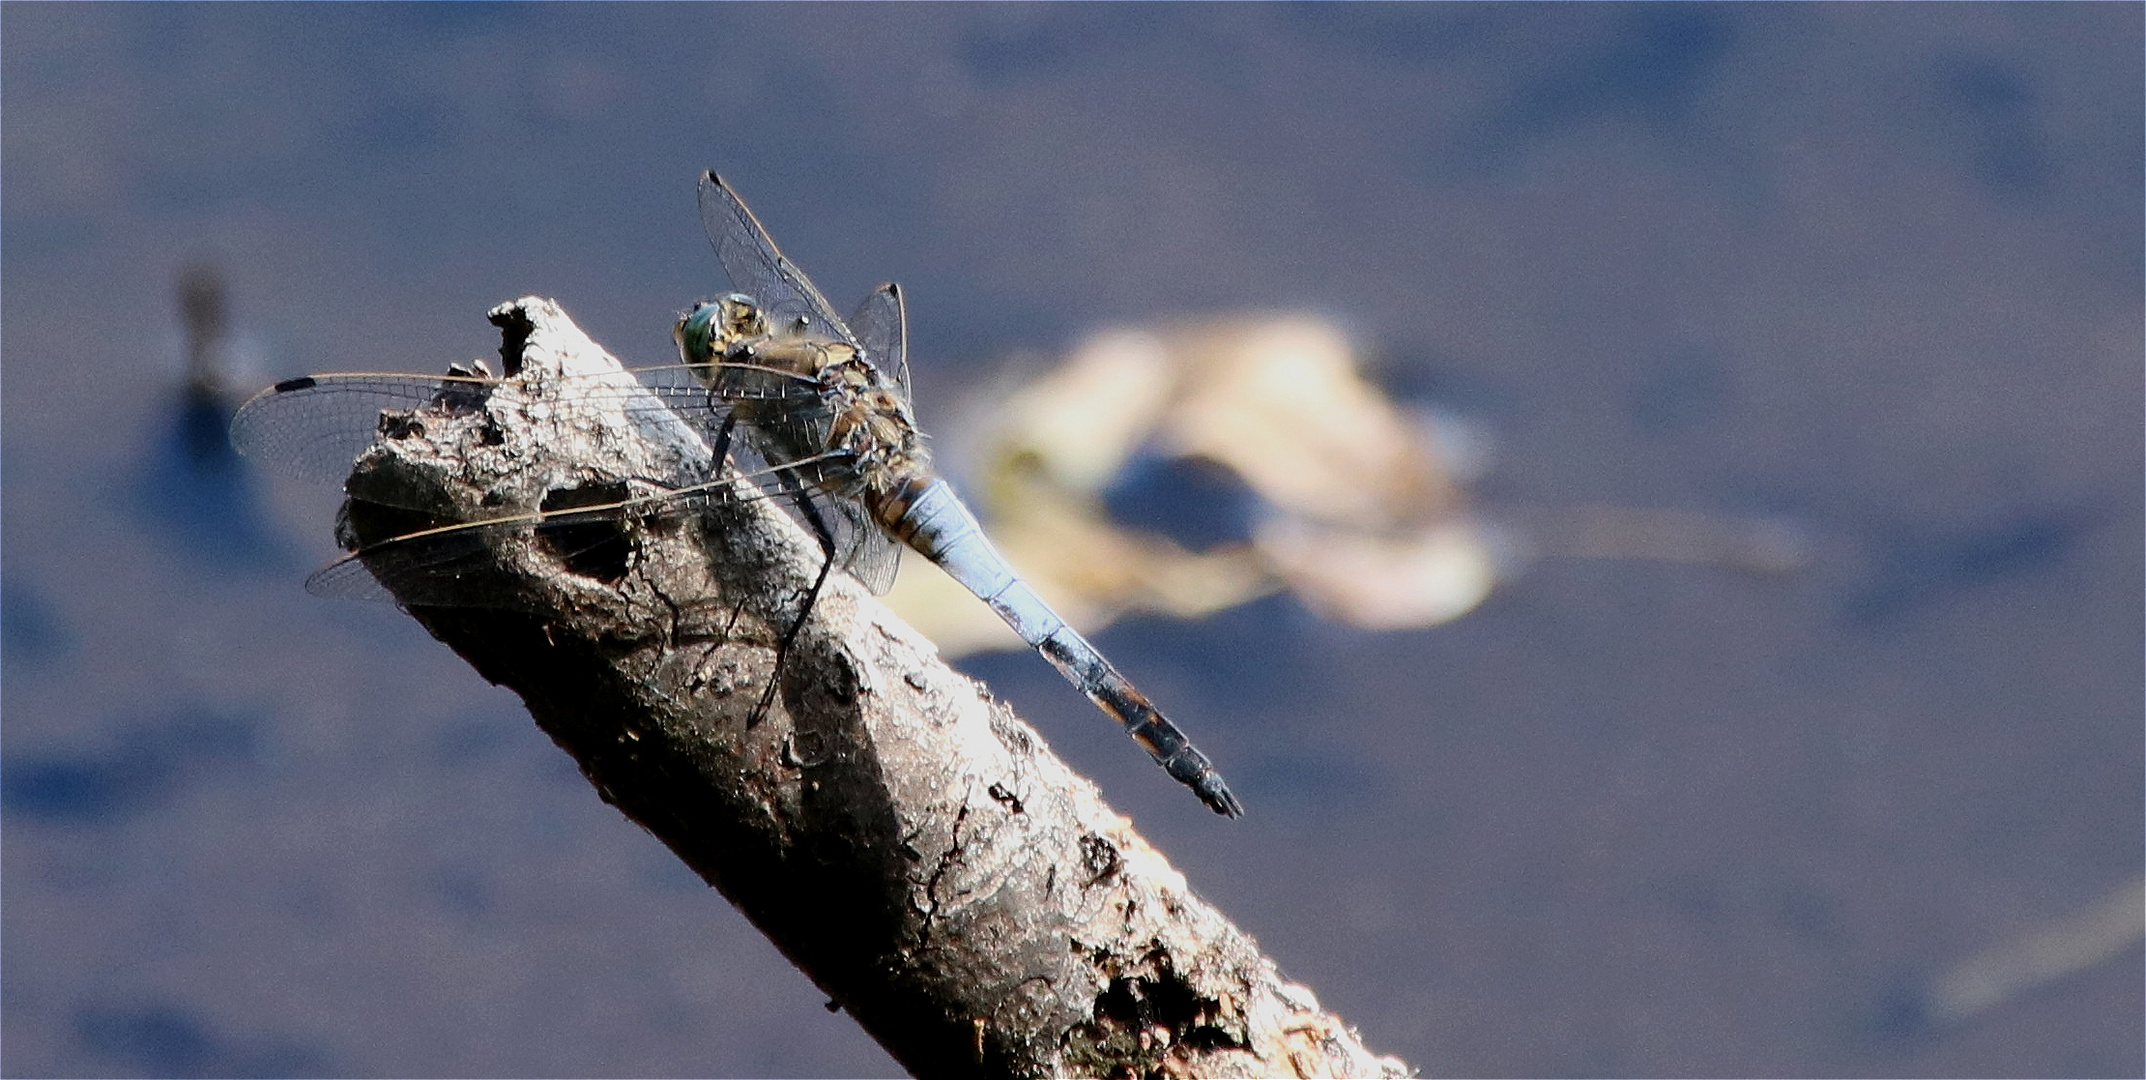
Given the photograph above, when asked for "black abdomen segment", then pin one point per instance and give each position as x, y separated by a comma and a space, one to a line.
1085, 667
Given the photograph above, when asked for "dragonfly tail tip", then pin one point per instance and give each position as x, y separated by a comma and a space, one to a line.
1219, 798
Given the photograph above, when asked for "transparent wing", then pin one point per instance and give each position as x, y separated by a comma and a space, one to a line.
315, 427
584, 530
810, 489
758, 268
866, 550
881, 324
587, 531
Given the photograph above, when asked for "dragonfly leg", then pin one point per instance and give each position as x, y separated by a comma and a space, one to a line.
789, 637
795, 490
721, 449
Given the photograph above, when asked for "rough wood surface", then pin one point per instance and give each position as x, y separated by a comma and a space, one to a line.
903, 838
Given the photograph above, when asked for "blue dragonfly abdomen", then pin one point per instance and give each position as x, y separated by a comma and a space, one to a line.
931, 519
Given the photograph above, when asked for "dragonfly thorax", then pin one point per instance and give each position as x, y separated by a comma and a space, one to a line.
872, 429
864, 441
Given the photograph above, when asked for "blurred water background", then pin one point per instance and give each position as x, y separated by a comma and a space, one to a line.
1876, 269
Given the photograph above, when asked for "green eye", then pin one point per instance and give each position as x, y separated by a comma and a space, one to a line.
694, 333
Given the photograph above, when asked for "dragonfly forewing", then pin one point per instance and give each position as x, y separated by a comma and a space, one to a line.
758, 268
315, 427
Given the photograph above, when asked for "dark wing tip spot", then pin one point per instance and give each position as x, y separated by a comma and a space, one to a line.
303, 382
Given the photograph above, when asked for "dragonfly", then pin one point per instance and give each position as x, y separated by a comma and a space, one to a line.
768, 375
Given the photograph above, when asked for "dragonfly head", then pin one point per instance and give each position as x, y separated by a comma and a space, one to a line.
713, 328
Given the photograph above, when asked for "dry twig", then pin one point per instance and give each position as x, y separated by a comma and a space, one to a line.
902, 837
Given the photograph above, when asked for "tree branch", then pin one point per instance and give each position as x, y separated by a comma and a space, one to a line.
902, 837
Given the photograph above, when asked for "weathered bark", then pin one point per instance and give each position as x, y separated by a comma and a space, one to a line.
902, 837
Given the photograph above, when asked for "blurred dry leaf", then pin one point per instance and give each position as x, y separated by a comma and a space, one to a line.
1363, 516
